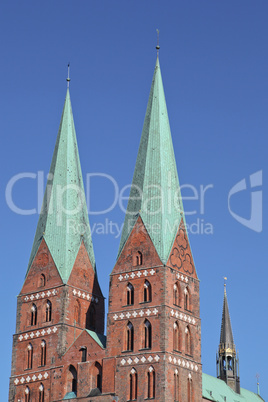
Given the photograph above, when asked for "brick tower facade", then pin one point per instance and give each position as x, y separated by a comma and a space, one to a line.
153, 344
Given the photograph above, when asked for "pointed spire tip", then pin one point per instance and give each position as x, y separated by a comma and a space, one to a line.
68, 78
157, 46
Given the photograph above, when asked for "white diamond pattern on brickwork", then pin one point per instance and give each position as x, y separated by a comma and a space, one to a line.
137, 273
134, 314
182, 278
42, 295
28, 379
37, 334
143, 359
184, 317
85, 295
182, 362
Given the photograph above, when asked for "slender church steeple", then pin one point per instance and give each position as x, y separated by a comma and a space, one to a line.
63, 221
227, 359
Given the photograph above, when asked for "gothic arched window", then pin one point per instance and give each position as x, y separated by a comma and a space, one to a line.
147, 344
188, 341
133, 385
41, 393
186, 299
48, 310
77, 312
83, 353
29, 356
72, 379
33, 314
130, 294
137, 259
43, 353
176, 337
190, 390
129, 337
176, 386
151, 383
97, 376
27, 394
42, 280
176, 294
147, 291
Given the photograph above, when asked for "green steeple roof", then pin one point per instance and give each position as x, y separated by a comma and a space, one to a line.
155, 194
63, 221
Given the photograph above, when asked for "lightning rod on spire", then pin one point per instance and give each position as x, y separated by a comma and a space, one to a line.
68, 78
157, 46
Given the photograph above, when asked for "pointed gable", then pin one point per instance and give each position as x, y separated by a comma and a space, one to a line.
155, 194
63, 221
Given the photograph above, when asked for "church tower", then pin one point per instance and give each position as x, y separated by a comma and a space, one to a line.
60, 297
227, 360
153, 326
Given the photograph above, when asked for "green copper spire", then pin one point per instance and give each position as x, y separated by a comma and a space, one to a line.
155, 193
63, 221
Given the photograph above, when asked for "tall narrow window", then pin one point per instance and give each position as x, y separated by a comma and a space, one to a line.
83, 354
147, 292
137, 258
29, 356
176, 386
151, 383
188, 341
33, 314
176, 337
190, 390
186, 299
147, 335
41, 393
176, 294
42, 280
129, 337
77, 312
72, 380
27, 394
43, 353
133, 385
48, 310
97, 376
130, 294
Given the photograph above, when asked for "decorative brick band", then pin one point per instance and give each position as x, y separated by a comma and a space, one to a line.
182, 316
85, 295
182, 277
134, 314
28, 379
38, 295
38, 333
142, 359
183, 362
133, 274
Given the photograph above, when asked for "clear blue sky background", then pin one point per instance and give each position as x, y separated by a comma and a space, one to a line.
214, 65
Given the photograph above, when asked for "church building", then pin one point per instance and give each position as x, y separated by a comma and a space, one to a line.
152, 346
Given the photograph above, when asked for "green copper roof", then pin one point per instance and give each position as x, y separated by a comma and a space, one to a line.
155, 194
63, 221
99, 338
214, 389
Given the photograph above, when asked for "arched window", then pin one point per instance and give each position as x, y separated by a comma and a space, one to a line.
130, 294
151, 383
129, 337
41, 393
147, 292
186, 299
147, 344
176, 337
133, 385
72, 379
176, 386
91, 317
48, 310
43, 353
33, 314
83, 353
188, 341
190, 389
27, 394
176, 294
42, 281
97, 376
137, 258
29, 356
77, 312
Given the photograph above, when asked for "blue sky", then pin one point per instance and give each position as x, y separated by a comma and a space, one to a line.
214, 64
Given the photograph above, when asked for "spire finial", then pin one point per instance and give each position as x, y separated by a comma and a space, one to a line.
258, 383
225, 279
68, 78
157, 46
